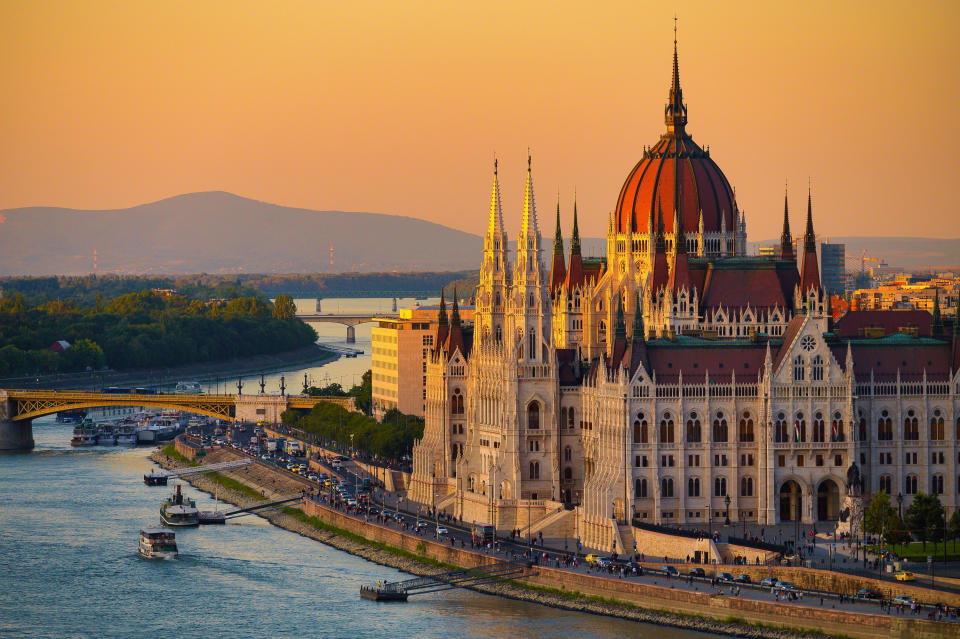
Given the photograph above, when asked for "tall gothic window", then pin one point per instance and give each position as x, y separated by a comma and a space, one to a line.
781, 432
799, 369
800, 429
911, 427
640, 488
816, 372
818, 428
836, 428
884, 427
936, 426
719, 428
693, 487
694, 434
719, 486
534, 470
533, 415
666, 429
666, 487
746, 428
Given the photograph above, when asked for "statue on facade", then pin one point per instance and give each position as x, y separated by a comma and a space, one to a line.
853, 480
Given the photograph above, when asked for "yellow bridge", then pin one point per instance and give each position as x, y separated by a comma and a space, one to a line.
19, 407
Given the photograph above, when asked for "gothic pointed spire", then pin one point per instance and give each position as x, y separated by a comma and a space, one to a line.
786, 239
809, 239
937, 322
620, 327
637, 333
676, 111
575, 237
442, 319
495, 224
810, 277
455, 311
528, 224
558, 236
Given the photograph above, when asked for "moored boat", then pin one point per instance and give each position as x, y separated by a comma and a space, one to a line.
84, 434
178, 510
158, 543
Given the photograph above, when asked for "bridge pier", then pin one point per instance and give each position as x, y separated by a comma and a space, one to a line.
351, 334
16, 435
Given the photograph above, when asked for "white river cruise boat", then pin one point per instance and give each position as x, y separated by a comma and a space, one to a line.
158, 543
178, 510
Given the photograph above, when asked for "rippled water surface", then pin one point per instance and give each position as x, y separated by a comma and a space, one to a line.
69, 521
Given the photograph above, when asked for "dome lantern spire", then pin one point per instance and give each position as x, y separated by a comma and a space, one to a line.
676, 111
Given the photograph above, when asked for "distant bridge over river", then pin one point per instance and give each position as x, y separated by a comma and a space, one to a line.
350, 320
18, 408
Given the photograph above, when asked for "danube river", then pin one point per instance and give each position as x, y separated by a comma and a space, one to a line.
69, 520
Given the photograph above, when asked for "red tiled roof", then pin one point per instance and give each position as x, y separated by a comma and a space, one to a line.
886, 360
696, 360
811, 272
574, 276
854, 322
738, 287
558, 272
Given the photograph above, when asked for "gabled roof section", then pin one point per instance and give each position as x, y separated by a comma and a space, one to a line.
695, 359
789, 337
738, 283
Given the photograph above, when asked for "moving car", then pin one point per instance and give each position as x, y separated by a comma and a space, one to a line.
670, 571
697, 572
869, 593
725, 576
442, 530
768, 582
591, 558
786, 585
903, 575
743, 579
902, 600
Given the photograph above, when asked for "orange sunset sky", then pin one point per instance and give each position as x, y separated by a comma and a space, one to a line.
398, 107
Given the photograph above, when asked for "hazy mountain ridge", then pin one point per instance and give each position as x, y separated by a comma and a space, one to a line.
218, 232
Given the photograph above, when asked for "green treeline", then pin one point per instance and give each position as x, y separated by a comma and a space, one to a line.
393, 438
84, 290
139, 330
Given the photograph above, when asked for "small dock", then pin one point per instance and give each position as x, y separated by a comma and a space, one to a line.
160, 477
464, 578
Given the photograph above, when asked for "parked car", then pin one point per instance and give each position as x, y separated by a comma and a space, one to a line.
903, 575
768, 582
869, 593
724, 576
902, 600
743, 579
786, 585
670, 571
697, 572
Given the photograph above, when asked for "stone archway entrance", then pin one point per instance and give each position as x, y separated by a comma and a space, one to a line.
791, 496
828, 501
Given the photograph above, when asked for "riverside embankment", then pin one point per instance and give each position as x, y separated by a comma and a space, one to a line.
660, 605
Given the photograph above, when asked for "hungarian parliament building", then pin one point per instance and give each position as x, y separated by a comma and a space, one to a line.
678, 380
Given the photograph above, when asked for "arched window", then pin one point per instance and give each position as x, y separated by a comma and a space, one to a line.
640, 488
800, 429
693, 487
911, 427
936, 426
666, 429
816, 372
799, 369
781, 432
533, 415
936, 484
568, 473
884, 427
694, 434
818, 428
567, 454
602, 332
639, 432
746, 486
719, 428
456, 402
836, 428
570, 418
746, 428
719, 486
910, 484
534, 470
499, 331
863, 433
563, 415
886, 484
666, 487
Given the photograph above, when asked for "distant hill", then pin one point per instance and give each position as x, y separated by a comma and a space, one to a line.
217, 232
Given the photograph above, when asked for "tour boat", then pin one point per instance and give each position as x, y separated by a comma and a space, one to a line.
84, 435
178, 510
105, 434
127, 434
158, 543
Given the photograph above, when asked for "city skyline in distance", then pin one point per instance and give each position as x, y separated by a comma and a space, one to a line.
399, 110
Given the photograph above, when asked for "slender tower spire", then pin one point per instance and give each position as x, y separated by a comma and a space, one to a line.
810, 278
637, 332
676, 111
558, 269
786, 239
620, 327
575, 272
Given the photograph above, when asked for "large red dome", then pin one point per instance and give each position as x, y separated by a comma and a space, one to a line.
650, 187
675, 175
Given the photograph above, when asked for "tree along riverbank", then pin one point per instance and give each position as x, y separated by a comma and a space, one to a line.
229, 370
252, 485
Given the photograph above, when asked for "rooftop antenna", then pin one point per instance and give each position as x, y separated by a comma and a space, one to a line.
239, 386
262, 384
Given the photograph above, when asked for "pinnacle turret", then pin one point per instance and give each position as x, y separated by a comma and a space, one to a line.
637, 333
786, 239
675, 113
619, 327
